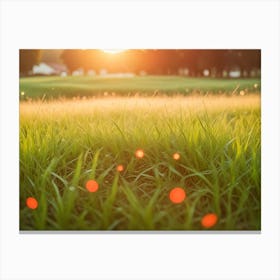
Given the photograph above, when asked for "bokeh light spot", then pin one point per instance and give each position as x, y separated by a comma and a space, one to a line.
177, 195
32, 203
92, 186
209, 220
206, 72
176, 156
139, 153
120, 168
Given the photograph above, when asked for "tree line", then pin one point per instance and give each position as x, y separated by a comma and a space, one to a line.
155, 62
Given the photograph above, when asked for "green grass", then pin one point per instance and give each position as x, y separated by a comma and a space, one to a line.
53, 87
64, 143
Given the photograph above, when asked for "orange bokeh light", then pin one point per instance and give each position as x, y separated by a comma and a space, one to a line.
120, 168
176, 156
31, 203
177, 195
92, 186
139, 153
209, 220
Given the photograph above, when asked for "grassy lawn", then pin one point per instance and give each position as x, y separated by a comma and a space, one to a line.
53, 87
65, 143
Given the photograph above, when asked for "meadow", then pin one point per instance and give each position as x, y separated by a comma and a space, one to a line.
138, 149
84, 86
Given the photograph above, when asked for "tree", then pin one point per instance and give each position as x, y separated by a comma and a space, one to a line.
27, 59
134, 61
165, 61
72, 59
212, 60
189, 59
249, 60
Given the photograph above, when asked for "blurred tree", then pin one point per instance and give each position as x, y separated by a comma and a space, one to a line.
148, 62
231, 60
27, 59
212, 60
51, 55
134, 61
189, 59
73, 59
249, 60
219, 63
92, 60
165, 61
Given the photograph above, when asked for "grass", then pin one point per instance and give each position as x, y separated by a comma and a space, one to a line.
54, 87
65, 143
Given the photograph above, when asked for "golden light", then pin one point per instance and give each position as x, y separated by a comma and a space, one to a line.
139, 153
113, 51
120, 168
176, 156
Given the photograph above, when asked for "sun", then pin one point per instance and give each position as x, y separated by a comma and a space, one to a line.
113, 51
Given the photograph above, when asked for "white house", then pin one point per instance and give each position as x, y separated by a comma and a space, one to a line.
49, 69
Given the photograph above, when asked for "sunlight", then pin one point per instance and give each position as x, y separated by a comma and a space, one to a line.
113, 51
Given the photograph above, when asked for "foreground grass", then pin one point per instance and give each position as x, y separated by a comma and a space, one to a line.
54, 87
65, 143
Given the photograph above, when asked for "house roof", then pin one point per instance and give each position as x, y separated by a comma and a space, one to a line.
49, 68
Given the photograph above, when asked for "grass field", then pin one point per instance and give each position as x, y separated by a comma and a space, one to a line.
53, 87
65, 143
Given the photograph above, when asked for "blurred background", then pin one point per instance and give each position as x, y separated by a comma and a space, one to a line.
140, 62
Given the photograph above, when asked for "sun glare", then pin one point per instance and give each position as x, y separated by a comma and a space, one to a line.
113, 51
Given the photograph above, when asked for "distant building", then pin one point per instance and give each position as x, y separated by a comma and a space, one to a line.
78, 72
235, 73
50, 68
